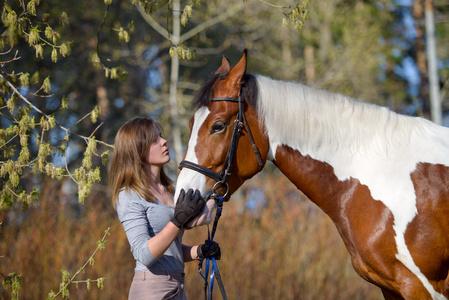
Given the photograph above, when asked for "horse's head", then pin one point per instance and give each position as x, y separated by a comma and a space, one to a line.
220, 155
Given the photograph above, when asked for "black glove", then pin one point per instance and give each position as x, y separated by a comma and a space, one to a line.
187, 207
208, 250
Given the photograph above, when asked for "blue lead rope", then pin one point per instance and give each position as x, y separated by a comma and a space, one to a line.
214, 273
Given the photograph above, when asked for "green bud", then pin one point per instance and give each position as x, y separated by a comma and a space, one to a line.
91, 261
33, 37
54, 55
172, 51
31, 7
114, 73
107, 71
51, 122
66, 49
55, 37
65, 276
64, 19
24, 140
131, 27
39, 51
48, 32
64, 102
183, 20
94, 115
44, 124
100, 282
14, 178
11, 104
46, 86
87, 161
105, 157
24, 79
95, 59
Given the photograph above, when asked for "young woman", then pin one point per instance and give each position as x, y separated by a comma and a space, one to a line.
143, 197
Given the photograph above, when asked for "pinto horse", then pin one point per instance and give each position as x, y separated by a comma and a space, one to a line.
383, 178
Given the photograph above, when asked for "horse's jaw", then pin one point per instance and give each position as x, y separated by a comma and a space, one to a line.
205, 217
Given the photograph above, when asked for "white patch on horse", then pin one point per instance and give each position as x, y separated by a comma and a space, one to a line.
190, 179
370, 143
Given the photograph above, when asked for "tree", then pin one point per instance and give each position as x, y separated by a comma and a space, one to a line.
212, 14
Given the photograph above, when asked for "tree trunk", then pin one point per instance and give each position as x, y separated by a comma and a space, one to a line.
421, 61
435, 103
174, 76
309, 64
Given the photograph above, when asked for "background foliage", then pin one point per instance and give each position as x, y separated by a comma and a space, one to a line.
72, 72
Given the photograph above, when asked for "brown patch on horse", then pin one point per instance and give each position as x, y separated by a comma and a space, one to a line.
365, 224
427, 236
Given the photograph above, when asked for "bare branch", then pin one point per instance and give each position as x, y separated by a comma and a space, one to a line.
149, 19
211, 22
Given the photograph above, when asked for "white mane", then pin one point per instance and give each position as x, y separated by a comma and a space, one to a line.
318, 121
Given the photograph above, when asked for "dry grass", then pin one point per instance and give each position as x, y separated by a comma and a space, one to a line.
288, 249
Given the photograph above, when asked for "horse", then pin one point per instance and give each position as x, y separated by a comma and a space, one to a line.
381, 177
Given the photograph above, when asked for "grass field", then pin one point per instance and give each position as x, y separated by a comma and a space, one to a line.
276, 246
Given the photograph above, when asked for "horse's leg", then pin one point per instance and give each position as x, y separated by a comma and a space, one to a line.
389, 295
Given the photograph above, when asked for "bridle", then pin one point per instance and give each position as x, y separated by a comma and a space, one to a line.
222, 177
221, 182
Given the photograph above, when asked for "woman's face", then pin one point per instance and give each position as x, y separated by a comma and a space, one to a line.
158, 152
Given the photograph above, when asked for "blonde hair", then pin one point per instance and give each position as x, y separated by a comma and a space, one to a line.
127, 170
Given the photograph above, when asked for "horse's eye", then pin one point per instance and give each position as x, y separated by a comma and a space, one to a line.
218, 127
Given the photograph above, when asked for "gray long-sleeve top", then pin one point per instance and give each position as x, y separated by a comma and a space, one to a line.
142, 220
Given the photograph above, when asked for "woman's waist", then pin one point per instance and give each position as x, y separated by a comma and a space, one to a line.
146, 275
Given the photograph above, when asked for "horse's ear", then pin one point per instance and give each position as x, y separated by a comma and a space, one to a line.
225, 66
239, 69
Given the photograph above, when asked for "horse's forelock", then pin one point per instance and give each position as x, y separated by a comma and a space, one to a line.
203, 95
249, 90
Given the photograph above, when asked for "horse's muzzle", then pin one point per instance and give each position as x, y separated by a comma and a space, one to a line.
205, 217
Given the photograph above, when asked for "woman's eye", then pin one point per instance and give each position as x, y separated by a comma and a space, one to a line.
218, 127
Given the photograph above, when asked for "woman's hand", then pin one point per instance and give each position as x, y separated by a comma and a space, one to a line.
208, 250
188, 207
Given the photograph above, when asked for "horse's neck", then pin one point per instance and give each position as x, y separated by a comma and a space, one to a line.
314, 178
315, 136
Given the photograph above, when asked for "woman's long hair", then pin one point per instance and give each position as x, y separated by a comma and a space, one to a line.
127, 170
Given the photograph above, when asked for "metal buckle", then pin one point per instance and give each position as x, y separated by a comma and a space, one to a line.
215, 194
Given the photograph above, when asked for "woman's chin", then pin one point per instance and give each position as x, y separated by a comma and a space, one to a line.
206, 216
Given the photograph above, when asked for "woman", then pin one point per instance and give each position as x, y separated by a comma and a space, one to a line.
143, 196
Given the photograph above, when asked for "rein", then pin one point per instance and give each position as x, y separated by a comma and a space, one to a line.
214, 273
221, 181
